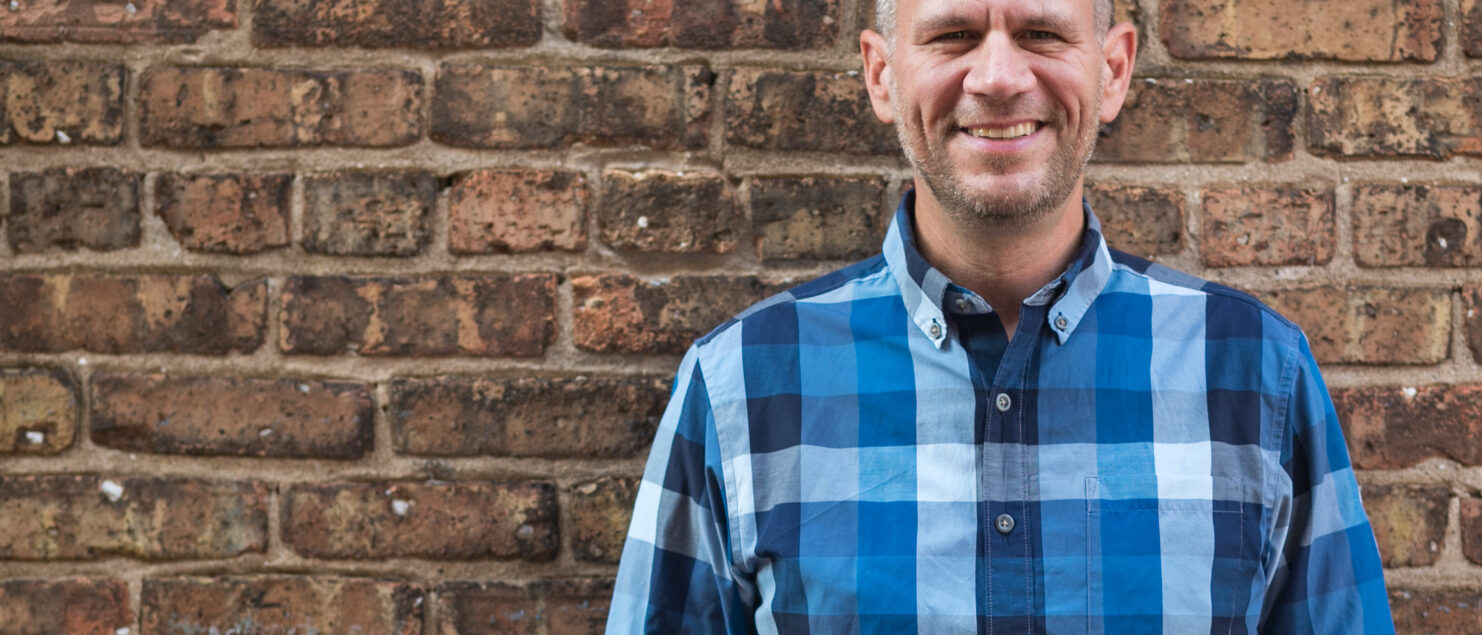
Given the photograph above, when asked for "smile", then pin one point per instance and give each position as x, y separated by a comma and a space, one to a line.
1012, 132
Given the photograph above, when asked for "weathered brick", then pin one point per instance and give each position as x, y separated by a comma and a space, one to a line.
422, 24
67, 208
62, 103
95, 21
517, 211
527, 416
1471, 27
1384, 117
439, 521
569, 607
1268, 226
1168, 120
598, 520
722, 24
76, 606
1471, 529
1369, 325
38, 411
1409, 522
368, 213
818, 217
1356, 30
1417, 225
242, 213
669, 213
153, 518
130, 314
662, 107
258, 107
791, 110
1436, 612
622, 314
280, 604
1392, 427
1144, 221
232, 416
481, 315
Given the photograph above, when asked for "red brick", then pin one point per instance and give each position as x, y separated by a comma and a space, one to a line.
232, 416
1268, 226
1369, 325
1473, 320
130, 314
568, 607
1417, 225
416, 24
1409, 522
662, 107
1390, 427
819, 218
95, 21
61, 103
438, 521
517, 211
1355, 31
528, 416
479, 315
669, 213
1144, 221
1169, 120
240, 213
76, 606
1384, 117
723, 24
1437, 612
368, 213
96, 208
38, 411
256, 107
599, 513
1471, 27
790, 110
280, 604
621, 314
1471, 529
153, 518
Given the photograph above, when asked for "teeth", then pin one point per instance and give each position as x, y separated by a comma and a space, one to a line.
1010, 132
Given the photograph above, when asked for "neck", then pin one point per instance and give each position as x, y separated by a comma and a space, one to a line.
1002, 262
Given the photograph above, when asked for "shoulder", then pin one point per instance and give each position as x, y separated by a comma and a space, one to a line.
778, 314
1228, 312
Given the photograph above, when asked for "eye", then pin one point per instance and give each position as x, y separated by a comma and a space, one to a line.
953, 36
1041, 36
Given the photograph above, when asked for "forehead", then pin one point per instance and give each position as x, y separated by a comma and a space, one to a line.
1076, 12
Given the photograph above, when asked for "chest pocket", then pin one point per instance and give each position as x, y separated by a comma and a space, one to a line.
1173, 554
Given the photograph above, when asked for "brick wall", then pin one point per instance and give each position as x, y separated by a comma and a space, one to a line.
361, 314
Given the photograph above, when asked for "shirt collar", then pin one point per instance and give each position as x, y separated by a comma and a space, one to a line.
924, 289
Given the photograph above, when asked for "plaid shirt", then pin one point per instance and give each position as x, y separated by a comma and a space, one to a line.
1149, 453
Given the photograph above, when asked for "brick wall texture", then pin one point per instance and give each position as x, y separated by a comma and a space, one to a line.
359, 316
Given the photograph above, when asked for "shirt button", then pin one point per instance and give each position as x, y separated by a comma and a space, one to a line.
1061, 322
1003, 402
1004, 523
935, 329
963, 305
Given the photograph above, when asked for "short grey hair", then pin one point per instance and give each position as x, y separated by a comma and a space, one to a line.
885, 17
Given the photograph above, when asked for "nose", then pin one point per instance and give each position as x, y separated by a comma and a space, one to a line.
998, 68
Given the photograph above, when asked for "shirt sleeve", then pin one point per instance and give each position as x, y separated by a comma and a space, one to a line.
675, 575
1328, 576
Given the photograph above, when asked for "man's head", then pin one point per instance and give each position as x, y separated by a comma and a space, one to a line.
997, 102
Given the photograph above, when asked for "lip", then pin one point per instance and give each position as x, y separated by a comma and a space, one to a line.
997, 146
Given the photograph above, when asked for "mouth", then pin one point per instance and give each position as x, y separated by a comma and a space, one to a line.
1009, 132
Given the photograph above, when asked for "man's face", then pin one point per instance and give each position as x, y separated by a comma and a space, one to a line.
997, 102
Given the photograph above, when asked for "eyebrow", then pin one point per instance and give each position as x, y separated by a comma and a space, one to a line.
950, 21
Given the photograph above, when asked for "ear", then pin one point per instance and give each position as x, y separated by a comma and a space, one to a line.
1120, 51
876, 54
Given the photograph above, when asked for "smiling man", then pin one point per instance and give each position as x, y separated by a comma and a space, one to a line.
1000, 424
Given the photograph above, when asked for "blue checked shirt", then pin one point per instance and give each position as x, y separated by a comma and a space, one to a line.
1149, 453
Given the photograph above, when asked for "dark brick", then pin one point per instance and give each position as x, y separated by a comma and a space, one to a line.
95, 21
1143, 221
130, 314
226, 213
1397, 427
1419, 225
1436, 612
153, 518
529, 416
1384, 117
61, 103
419, 24
711, 24
38, 411
569, 607
819, 218
479, 315
232, 416
517, 211
599, 513
1169, 120
1268, 226
1409, 522
368, 213
819, 111
257, 107
1355, 31
669, 213
1471, 27
1369, 325
76, 606
439, 521
280, 604
662, 107
622, 314
1471, 529
96, 208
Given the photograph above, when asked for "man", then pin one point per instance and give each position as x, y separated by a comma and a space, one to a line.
1000, 425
